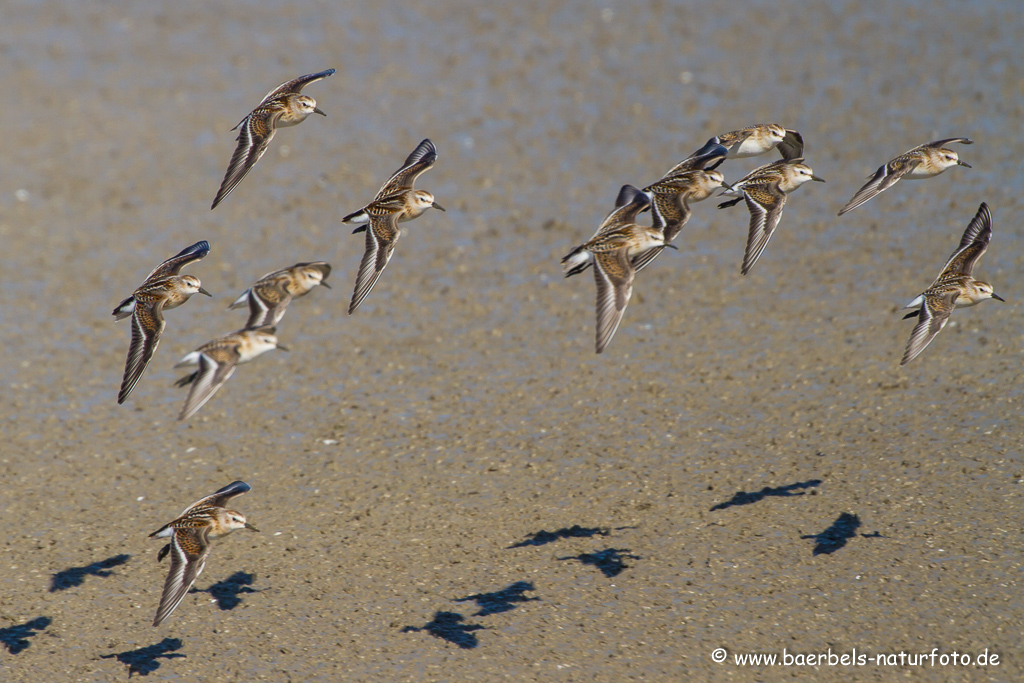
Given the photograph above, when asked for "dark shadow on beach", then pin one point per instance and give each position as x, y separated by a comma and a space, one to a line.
500, 601
745, 498
448, 626
226, 592
543, 537
143, 661
15, 638
835, 537
611, 561
75, 576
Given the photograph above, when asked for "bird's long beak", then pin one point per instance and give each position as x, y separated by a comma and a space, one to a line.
438, 206
324, 284
203, 291
319, 111
726, 185
963, 163
282, 347
670, 246
250, 526
998, 298
820, 180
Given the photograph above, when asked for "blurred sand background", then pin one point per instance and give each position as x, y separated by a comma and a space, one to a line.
397, 454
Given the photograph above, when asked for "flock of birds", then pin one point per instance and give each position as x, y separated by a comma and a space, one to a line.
396, 202
618, 251
622, 247
267, 299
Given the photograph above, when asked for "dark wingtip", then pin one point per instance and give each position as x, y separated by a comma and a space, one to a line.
710, 156
200, 246
186, 380
238, 484
627, 193
711, 147
163, 551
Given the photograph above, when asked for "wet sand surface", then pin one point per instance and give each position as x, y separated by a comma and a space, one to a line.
745, 467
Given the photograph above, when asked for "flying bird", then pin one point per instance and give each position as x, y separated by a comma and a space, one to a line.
924, 161
201, 522
269, 296
217, 360
670, 205
395, 203
955, 286
765, 190
755, 140
163, 289
283, 106
612, 251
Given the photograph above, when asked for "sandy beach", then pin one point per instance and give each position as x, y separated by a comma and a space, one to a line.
450, 484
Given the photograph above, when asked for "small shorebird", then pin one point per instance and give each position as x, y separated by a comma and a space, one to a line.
283, 106
198, 524
755, 140
612, 251
163, 289
670, 206
765, 190
217, 360
955, 286
268, 298
924, 161
395, 203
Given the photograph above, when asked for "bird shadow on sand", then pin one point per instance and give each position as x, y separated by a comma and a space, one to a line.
75, 576
500, 601
748, 498
15, 638
448, 626
835, 537
543, 537
143, 661
225, 593
611, 561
